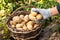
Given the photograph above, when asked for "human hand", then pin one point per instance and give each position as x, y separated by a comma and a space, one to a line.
44, 12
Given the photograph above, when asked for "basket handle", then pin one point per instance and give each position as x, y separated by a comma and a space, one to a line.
23, 7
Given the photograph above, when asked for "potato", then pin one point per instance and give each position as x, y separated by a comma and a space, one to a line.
26, 18
21, 29
16, 19
21, 17
32, 17
30, 22
25, 27
14, 23
39, 16
33, 13
12, 26
30, 27
19, 25
23, 22
20, 20
11, 22
36, 25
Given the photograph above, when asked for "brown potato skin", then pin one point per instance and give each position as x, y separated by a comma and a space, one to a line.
26, 18
19, 25
16, 19
25, 22
33, 13
32, 17
29, 26
39, 16
25, 27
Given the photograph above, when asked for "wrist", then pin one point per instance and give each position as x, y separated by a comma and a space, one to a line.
54, 11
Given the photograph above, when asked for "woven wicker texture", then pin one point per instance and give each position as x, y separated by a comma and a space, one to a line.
23, 35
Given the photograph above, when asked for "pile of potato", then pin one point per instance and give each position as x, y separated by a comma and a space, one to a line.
25, 22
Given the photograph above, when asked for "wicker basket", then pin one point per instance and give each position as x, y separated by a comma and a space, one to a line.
23, 35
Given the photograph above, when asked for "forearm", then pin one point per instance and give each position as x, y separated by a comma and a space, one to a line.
55, 10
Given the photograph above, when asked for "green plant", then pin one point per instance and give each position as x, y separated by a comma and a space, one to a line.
8, 6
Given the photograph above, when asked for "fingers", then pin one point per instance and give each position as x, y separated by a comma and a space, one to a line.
35, 10
44, 12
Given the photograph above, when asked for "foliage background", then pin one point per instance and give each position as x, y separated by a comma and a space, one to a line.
8, 6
